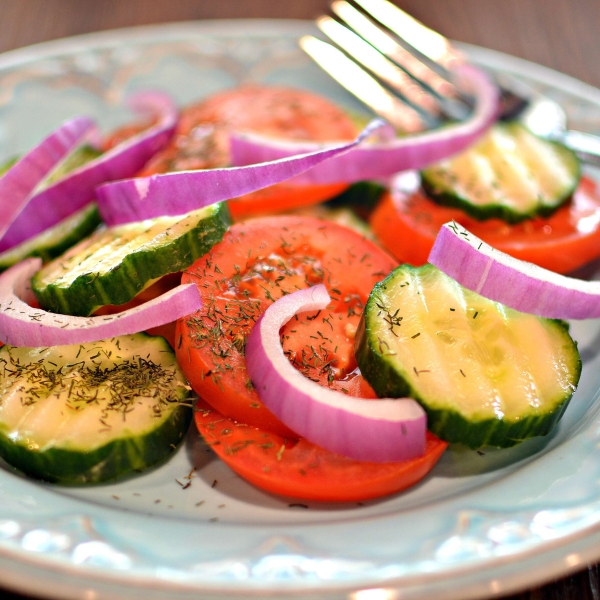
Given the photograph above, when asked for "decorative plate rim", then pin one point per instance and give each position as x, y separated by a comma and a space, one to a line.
582, 541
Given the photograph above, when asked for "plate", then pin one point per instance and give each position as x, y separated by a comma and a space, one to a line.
482, 523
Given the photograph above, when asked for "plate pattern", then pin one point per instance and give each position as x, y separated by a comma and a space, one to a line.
476, 517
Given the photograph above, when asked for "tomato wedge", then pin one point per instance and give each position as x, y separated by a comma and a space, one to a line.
563, 242
256, 263
202, 139
300, 469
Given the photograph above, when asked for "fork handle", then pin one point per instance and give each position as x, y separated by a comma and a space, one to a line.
585, 145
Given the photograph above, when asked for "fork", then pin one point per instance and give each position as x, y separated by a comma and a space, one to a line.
416, 62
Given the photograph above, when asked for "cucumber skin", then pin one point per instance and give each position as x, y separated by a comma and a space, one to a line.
50, 251
453, 427
492, 211
445, 197
447, 424
115, 460
361, 197
90, 291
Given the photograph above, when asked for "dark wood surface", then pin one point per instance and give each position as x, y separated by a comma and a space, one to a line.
561, 34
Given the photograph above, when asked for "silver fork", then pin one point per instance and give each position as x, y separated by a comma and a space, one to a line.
418, 70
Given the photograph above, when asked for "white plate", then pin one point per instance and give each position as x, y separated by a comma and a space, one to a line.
479, 524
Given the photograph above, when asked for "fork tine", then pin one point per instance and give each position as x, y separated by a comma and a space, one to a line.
359, 83
424, 44
378, 64
434, 48
428, 42
452, 103
392, 49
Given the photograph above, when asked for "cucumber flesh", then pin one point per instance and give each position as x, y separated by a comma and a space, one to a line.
114, 265
79, 157
59, 238
7, 164
92, 412
510, 174
76, 159
56, 240
485, 374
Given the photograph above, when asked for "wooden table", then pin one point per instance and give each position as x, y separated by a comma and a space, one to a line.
561, 34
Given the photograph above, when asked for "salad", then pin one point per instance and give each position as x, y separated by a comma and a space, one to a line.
233, 276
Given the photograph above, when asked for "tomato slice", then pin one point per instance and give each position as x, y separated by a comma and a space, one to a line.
120, 135
563, 242
256, 263
300, 469
202, 139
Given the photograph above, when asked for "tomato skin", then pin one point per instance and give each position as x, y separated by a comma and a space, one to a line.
122, 134
282, 197
275, 111
563, 242
255, 264
301, 469
201, 140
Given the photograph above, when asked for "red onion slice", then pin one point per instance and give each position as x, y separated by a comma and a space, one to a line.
22, 325
20, 181
515, 283
384, 159
372, 430
76, 189
172, 194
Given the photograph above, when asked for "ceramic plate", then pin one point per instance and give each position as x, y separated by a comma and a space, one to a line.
480, 524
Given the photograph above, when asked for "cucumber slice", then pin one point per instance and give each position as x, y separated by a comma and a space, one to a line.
485, 374
361, 197
56, 240
510, 174
114, 265
92, 412
76, 159
6, 165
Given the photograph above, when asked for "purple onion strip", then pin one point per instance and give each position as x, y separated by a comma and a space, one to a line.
377, 160
371, 430
77, 188
22, 325
179, 193
20, 181
515, 283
